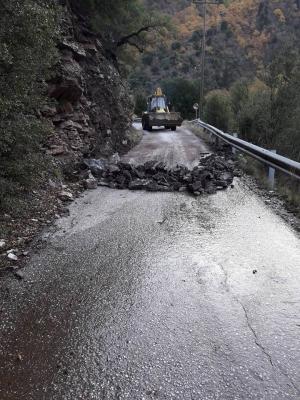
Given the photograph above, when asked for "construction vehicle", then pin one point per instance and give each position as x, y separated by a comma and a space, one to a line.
158, 113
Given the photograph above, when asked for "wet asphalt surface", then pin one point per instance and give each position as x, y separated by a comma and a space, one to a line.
152, 296
179, 147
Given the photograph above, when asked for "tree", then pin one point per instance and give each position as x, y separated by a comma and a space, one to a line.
123, 22
140, 104
239, 93
182, 94
217, 110
268, 113
255, 118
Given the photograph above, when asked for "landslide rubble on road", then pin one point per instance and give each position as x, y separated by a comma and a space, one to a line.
214, 172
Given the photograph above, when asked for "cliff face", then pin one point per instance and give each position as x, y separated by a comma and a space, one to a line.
91, 116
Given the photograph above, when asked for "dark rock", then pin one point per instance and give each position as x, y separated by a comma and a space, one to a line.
78, 51
69, 89
226, 176
112, 168
19, 275
149, 166
221, 184
90, 183
56, 150
65, 196
211, 189
49, 111
97, 167
182, 189
210, 175
102, 182
155, 187
196, 186
115, 158
187, 178
139, 184
127, 175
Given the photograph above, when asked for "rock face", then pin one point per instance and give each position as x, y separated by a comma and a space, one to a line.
214, 172
92, 112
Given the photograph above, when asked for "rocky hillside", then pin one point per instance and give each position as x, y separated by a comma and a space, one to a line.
91, 114
55, 111
242, 36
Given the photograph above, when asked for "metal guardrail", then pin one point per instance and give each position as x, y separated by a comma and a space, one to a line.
267, 157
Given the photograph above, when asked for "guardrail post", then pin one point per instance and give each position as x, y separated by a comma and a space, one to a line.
271, 175
234, 150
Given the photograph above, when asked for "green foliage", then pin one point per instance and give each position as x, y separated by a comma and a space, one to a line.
176, 46
147, 58
165, 63
124, 22
239, 93
269, 114
27, 50
255, 119
182, 94
217, 110
140, 104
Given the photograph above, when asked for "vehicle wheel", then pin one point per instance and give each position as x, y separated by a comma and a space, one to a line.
149, 128
173, 128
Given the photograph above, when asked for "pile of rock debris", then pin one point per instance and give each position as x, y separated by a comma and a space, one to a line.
214, 172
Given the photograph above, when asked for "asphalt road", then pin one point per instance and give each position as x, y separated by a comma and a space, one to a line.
153, 296
179, 147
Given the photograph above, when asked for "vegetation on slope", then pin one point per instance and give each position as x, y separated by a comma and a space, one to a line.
28, 37
27, 51
265, 112
242, 37
252, 67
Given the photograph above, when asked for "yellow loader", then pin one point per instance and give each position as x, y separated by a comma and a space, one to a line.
158, 113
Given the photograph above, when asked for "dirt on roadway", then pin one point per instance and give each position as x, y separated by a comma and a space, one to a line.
171, 148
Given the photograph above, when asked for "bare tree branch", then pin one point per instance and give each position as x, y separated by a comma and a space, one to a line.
126, 39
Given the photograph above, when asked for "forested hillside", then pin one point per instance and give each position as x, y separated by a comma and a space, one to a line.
252, 67
242, 37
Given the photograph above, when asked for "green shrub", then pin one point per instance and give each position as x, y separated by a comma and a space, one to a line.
176, 46
140, 104
147, 58
27, 50
182, 94
217, 110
